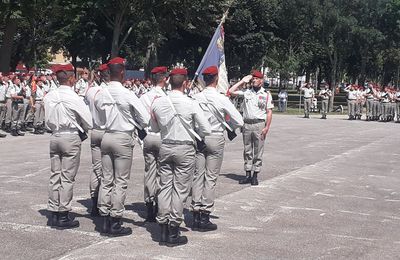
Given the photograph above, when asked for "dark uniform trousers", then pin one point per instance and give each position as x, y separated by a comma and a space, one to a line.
208, 167
151, 152
97, 171
177, 164
65, 152
253, 145
116, 159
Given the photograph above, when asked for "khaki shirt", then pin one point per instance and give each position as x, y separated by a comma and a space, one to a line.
122, 110
308, 92
351, 94
64, 109
256, 104
98, 115
148, 99
211, 97
81, 86
324, 94
3, 91
165, 121
39, 94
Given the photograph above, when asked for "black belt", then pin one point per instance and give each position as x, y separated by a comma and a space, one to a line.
307, 97
39, 100
253, 121
177, 142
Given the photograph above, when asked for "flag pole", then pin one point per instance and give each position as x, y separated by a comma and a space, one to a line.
205, 54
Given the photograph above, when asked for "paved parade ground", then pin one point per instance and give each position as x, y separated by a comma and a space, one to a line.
329, 189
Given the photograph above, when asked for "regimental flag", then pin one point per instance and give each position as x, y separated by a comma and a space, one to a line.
215, 56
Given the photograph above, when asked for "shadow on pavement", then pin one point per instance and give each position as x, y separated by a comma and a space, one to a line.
233, 176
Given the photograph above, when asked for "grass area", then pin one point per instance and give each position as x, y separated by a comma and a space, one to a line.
296, 111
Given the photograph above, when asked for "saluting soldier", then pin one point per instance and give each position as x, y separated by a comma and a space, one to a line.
82, 84
257, 116
38, 105
67, 116
123, 113
217, 109
308, 98
96, 136
175, 117
369, 96
376, 111
152, 144
18, 94
325, 94
8, 117
385, 104
351, 101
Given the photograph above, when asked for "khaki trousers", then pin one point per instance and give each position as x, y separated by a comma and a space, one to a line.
253, 146
369, 104
9, 111
17, 115
3, 111
307, 106
39, 114
208, 167
151, 152
65, 153
385, 110
97, 171
352, 107
398, 110
116, 159
177, 164
324, 106
376, 112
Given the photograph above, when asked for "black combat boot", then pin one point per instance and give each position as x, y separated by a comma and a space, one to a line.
150, 212
247, 179
254, 180
116, 228
65, 222
37, 130
2, 135
7, 127
95, 210
174, 236
105, 228
53, 221
163, 233
19, 132
205, 223
13, 131
196, 220
42, 130
22, 128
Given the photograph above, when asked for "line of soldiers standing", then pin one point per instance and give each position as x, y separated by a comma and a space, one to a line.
183, 144
381, 103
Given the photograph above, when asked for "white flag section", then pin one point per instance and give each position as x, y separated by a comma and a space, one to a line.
215, 56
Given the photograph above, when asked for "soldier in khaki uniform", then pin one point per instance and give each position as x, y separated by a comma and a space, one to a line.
151, 145
351, 101
123, 113
175, 117
18, 94
397, 99
217, 107
324, 94
369, 103
3, 106
66, 115
257, 116
308, 98
38, 106
96, 136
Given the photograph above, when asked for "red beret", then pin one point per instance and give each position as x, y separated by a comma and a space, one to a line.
117, 60
178, 71
67, 67
103, 67
257, 74
157, 70
213, 70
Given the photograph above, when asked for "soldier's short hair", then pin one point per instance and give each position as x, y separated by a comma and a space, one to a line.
115, 69
209, 79
156, 78
63, 76
176, 81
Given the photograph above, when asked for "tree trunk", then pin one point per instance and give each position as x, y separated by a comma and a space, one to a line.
364, 57
6, 48
333, 79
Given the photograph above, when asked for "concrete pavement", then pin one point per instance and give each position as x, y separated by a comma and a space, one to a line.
330, 189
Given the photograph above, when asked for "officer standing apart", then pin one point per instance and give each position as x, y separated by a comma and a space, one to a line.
257, 116
66, 115
308, 98
217, 107
18, 94
123, 112
325, 94
38, 107
96, 136
3, 107
151, 145
175, 117
82, 84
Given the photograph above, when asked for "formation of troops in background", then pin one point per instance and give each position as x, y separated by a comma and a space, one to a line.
182, 139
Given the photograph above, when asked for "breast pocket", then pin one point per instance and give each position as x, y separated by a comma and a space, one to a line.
262, 102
